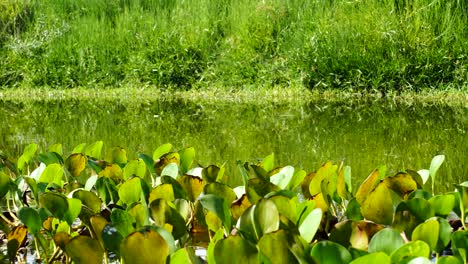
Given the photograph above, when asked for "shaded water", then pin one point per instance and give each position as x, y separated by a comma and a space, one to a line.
364, 135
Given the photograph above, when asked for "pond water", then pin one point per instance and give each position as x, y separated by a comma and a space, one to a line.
364, 135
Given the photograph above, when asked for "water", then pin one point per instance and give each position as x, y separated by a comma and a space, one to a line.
362, 134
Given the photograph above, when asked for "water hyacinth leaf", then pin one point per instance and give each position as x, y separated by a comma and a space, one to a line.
74, 209
144, 247
192, 185
88, 198
162, 213
179, 192
268, 163
118, 155
354, 233
15, 238
50, 158
377, 257
211, 173
83, 249
165, 191
296, 180
55, 203
122, 221
211, 246
305, 184
323, 172
61, 239
4, 184
244, 251
435, 165
239, 206
27, 156
266, 217
112, 239
443, 204
57, 148
343, 181
449, 260
420, 208
53, 173
134, 168
283, 177
166, 159
75, 164
286, 207
79, 148
30, 218
185, 255
353, 210
445, 232
186, 159
411, 250
424, 175
112, 171
275, 247
310, 224
130, 191
378, 205
149, 162
460, 245
420, 260
386, 240
221, 190
330, 253
107, 190
368, 185
31, 183
218, 206
171, 170
258, 188
98, 223
140, 214
94, 150
161, 150
427, 232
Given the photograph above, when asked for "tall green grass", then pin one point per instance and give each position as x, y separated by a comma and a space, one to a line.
372, 45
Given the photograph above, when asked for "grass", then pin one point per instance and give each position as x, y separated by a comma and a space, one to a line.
376, 45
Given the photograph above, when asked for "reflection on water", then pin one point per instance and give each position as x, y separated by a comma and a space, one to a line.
363, 135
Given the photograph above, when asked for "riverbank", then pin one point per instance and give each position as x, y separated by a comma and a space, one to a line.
449, 96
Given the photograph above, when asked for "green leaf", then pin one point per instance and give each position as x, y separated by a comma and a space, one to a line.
379, 205
449, 260
266, 217
386, 240
149, 162
186, 159
75, 164
165, 191
28, 155
53, 174
275, 247
411, 250
219, 207
330, 253
90, 199
50, 158
443, 204
83, 249
268, 163
55, 203
31, 219
377, 257
243, 250
79, 148
353, 210
134, 168
162, 213
460, 245
4, 184
185, 255
122, 221
427, 232
118, 155
171, 170
424, 175
144, 247
221, 190
211, 246
57, 148
445, 233
367, 186
420, 208
74, 209
435, 165
94, 150
130, 191
161, 150
283, 177
310, 224
420, 260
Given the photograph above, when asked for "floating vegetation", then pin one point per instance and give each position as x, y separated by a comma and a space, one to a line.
86, 207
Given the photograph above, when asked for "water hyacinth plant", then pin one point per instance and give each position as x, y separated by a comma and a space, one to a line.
86, 207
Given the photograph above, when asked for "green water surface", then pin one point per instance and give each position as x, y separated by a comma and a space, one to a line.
363, 135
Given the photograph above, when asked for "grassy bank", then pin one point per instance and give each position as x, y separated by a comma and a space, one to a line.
365, 45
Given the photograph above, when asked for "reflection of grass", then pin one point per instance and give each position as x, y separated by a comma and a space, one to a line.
260, 96
373, 45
